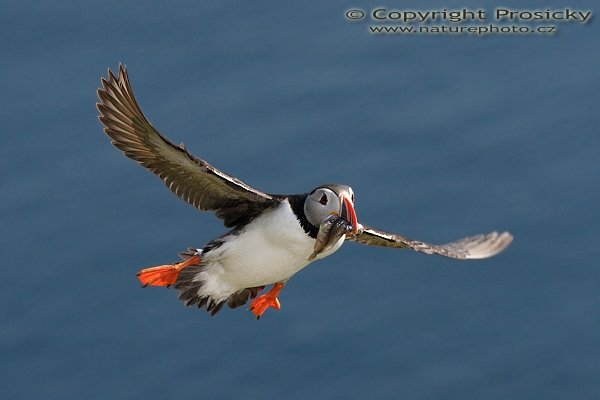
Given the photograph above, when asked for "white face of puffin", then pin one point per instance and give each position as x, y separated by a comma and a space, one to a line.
331, 200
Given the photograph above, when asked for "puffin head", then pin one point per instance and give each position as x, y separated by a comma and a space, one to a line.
331, 199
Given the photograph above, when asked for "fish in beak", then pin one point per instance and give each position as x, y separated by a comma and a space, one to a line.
349, 214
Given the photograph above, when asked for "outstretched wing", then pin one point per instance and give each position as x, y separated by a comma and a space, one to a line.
474, 247
192, 179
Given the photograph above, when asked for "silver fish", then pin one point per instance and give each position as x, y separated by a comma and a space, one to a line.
330, 231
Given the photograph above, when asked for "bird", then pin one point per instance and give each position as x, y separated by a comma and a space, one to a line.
271, 236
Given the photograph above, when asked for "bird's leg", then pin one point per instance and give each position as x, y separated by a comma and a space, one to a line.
165, 275
261, 303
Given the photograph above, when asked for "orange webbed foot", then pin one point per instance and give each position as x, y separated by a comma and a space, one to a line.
165, 275
262, 303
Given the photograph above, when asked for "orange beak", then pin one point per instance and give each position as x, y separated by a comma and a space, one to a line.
349, 214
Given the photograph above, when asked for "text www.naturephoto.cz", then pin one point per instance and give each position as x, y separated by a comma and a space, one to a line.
457, 30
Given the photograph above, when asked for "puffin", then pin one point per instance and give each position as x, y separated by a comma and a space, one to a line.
271, 236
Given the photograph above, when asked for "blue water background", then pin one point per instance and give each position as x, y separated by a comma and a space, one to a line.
441, 137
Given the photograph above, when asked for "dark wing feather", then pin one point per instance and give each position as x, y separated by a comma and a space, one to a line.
474, 247
192, 179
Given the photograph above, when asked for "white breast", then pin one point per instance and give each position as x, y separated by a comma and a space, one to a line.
270, 249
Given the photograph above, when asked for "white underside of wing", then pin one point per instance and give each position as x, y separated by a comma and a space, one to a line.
270, 249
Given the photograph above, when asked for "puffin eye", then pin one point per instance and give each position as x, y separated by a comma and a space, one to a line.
352, 197
323, 199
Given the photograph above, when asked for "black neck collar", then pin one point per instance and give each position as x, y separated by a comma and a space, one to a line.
297, 204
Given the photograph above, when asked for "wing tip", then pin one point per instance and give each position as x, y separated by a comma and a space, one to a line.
489, 245
122, 76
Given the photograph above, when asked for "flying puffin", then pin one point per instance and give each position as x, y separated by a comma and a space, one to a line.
272, 237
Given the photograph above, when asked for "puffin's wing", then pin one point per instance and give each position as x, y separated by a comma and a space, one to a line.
474, 247
192, 179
